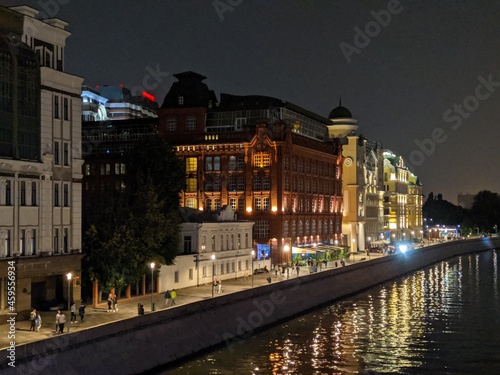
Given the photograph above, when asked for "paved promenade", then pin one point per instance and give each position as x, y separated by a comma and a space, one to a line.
127, 308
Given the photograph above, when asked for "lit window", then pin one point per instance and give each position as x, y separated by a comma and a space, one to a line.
191, 165
191, 184
261, 160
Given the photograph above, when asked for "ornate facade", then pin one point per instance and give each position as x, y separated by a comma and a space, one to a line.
271, 161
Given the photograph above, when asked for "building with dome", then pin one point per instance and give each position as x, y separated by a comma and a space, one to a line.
382, 199
40, 163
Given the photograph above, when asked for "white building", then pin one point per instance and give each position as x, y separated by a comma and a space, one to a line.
223, 236
40, 161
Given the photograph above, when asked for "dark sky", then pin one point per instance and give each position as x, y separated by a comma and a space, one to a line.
423, 74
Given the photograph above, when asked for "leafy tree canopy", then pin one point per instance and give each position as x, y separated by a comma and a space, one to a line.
131, 227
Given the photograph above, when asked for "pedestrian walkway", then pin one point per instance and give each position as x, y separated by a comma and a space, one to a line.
127, 308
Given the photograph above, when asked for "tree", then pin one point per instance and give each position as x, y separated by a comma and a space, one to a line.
485, 211
133, 226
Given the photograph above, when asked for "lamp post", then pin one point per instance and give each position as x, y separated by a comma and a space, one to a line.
69, 275
496, 228
287, 249
253, 254
152, 265
213, 273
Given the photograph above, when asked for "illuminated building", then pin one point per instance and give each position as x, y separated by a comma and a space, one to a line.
116, 103
362, 181
40, 161
402, 200
270, 160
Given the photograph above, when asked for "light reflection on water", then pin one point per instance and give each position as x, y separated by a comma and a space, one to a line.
441, 320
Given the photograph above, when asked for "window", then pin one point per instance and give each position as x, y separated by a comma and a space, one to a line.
190, 274
56, 240
246, 240
66, 109
257, 204
204, 271
241, 204
208, 205
257, 183
232, 163
191, 123
222, 269
191, 185
217, 204
240, 160
240, 182
265, 204
232, 203
231, 184
261, 229
66, 195
266, 185
7, 245
66, 154
191, 165
187, 249
8, 193
87, 169
192, 203
180, 100
22, 242
56, 153
171, 124
56, 194
23, 193
212, 163
33, 193
56, 107
261, 160
66, 240
176, 276
33, 242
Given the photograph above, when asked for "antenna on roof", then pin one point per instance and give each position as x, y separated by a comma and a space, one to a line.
340, 101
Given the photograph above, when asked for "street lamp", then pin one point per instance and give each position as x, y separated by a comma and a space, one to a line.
69, 275
496, 228
253, 254
152, 265
213, 273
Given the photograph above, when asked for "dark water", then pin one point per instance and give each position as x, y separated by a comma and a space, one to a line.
441, 320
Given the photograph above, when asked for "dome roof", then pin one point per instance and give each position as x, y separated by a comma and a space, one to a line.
340, 112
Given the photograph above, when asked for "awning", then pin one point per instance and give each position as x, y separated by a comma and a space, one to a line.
380, 242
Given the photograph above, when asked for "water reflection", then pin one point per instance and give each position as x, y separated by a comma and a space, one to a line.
443, 319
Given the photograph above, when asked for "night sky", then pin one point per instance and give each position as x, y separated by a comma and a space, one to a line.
423, 79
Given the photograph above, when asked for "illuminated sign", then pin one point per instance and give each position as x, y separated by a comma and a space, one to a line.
148, 96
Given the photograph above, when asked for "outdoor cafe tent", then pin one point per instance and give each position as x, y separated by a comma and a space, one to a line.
380, 242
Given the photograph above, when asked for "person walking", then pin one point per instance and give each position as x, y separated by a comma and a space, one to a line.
297, 268
73, 312
60, 321
110, 301
32, 320
38, 321
167, 296
173, 294
114, 303
81, 312
219, 286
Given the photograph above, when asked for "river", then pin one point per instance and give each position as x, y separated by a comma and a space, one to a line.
444, 319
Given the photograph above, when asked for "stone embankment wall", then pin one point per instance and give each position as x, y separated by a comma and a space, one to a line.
139, 344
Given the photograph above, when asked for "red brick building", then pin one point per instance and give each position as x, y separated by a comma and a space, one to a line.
271, 160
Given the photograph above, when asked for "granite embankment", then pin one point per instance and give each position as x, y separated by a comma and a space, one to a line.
143, 343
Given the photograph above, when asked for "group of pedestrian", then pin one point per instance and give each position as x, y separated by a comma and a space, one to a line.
217, 286
81, 312
170, 296
112, 302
